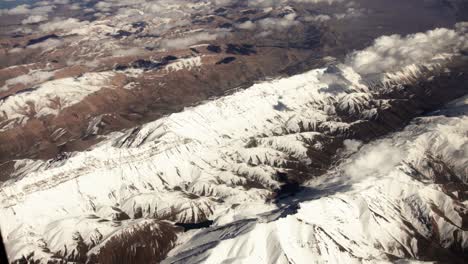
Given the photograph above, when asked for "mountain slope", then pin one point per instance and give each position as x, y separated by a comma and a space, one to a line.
258, 166
400, 197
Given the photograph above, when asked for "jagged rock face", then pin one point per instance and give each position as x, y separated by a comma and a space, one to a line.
370, 208
147, 241
120, 159
183, 208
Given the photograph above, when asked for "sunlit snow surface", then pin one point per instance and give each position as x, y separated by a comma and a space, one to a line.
375, 204
194, 165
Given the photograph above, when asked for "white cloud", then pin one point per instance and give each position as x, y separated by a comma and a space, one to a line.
391, 53
34, 19
268, 24
48, 44
18, 10
351, 12
375, 160
33, 77
58, 2
74, 7
62, 24
186, 41
246, 25
351, 145
318, 18
61, 2
279, 23
27, 10
128, 52
103, 6
42, 9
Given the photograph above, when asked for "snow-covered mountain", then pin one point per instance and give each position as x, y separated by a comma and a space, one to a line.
284, 171
399, 198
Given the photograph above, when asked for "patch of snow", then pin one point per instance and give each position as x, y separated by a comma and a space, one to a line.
184, 64
51, 97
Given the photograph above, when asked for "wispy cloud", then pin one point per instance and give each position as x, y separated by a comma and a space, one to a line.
186, 41
390, 53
